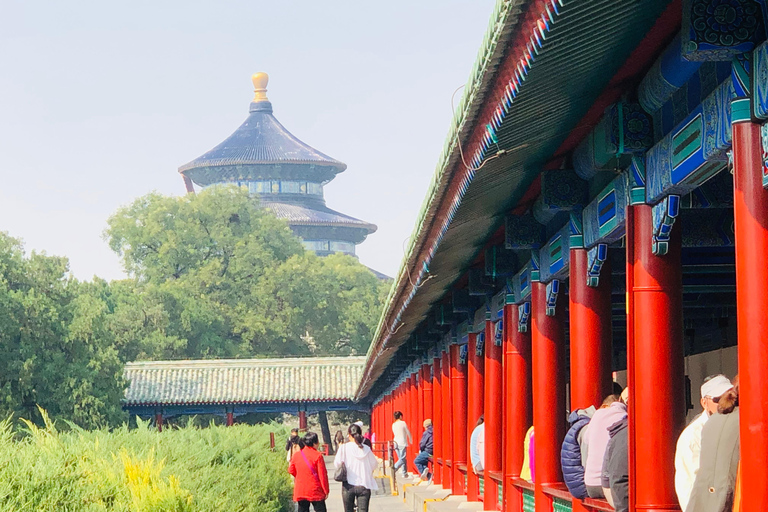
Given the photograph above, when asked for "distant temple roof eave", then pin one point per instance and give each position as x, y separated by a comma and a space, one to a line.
298, 215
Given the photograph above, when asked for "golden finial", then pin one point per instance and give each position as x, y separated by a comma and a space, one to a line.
260, 81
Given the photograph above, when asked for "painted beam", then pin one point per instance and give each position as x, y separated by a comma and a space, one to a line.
625, 129
721, 31
523, 232
667, 75
561, 191
694, 151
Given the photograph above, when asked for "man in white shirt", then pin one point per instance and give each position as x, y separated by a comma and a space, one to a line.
403, 439
689, 444
477, 447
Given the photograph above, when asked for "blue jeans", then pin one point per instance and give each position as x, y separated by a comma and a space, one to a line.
400, 450
421, 461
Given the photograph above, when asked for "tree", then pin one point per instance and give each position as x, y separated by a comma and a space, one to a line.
215, 275
55, 348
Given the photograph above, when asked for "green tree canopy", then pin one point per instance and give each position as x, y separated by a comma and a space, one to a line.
215, 275
211, 275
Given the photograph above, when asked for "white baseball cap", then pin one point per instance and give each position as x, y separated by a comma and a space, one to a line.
360, 423
716, 386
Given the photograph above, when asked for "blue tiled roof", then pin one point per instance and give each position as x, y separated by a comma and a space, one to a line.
261, 139
300, 215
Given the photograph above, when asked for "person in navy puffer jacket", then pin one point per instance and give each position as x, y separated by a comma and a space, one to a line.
573, 454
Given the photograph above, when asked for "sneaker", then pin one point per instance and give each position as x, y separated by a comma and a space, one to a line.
424, 473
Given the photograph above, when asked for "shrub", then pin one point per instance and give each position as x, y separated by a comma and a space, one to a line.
141, 470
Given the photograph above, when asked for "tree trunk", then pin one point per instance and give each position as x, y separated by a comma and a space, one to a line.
326, 431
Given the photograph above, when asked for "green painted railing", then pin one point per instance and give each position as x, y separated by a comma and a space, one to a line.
466, 481
528, 501
482, 486
499, 493
562, 505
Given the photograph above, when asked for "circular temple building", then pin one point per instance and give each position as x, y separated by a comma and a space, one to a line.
286, 174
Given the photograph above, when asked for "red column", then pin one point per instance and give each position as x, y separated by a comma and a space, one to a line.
548, 346
302, 421
413, 421
590, 328
437, 421
230, 418
475, 403
426, 380
751, 223
494, 381
518, 416
447, 422
458, 416
656, 358
159, 421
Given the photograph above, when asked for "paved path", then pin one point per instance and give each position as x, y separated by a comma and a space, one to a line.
378, 503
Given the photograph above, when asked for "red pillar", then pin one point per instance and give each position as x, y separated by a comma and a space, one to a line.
302, 421
459, 415
230, 418
655, 362
590, 328
448, 465
548, 347
437, 421
590, 344
426, 380
518, 416
751, 223
475, 408
413, 421
159, 421
494, 381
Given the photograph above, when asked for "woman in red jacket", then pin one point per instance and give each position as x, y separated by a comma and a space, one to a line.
311, 484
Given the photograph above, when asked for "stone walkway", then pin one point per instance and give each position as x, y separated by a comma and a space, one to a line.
378, 503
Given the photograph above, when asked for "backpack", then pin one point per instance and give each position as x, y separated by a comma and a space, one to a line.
570, 457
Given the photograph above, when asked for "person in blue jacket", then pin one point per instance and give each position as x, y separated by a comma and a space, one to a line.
425, 450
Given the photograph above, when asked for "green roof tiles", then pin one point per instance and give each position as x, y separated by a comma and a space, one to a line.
242, 381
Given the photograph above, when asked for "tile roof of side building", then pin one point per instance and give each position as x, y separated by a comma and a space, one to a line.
242, 381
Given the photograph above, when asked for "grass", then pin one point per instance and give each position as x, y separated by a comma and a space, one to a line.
140, 470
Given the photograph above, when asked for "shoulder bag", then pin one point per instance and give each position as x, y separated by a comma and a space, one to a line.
312, 469
341, 472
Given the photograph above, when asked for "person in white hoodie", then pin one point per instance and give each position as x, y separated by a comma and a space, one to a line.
360, 464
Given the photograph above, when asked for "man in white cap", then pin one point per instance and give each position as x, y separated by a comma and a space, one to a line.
688, 450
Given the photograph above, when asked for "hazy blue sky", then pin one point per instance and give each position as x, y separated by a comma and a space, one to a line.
101, 102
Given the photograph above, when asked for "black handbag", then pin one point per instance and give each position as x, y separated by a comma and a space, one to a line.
341, 472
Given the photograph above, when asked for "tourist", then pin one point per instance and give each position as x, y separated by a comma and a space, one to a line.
573, 453
597, 437
367, 436
338, 439
615, 473
292, 439
715, 484
527, 470
402, 439
308, 467
360, 463
294, 444
477, 446
426, 445
689, 443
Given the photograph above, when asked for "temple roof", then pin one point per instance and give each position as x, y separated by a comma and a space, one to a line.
299, 215
259, 145
242, 381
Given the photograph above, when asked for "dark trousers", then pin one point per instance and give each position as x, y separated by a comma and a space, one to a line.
319, 506
421, 461
351, 492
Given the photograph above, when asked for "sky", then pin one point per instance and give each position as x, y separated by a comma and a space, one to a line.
101, 102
